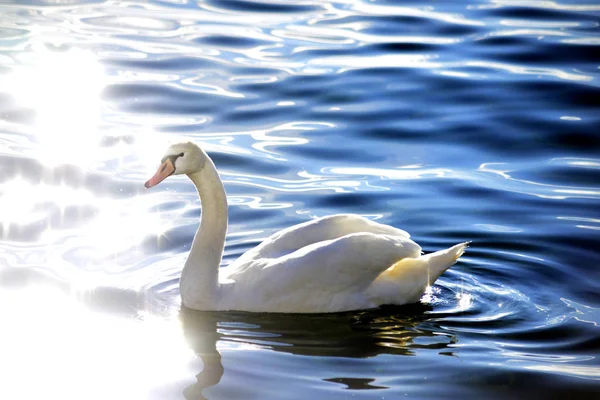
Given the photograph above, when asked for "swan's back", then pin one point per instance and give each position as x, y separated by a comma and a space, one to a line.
318, 230
330, 275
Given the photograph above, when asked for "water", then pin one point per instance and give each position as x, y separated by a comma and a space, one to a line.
452, 120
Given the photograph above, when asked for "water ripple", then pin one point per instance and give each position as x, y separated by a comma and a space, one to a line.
455, 121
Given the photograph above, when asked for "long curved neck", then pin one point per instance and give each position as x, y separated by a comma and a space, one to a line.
200, 276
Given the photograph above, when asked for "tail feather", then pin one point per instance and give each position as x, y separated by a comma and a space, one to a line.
405, 281
440, 261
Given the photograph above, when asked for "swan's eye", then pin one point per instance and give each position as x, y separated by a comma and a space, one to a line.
172, 158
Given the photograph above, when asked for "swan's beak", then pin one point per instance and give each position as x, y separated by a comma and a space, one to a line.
164, 171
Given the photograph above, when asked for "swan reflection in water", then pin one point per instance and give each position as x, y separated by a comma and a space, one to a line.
398, 330
76, 337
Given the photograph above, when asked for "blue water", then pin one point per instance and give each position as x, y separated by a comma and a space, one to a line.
453, 120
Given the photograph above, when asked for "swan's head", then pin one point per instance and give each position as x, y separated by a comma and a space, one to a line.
180, 158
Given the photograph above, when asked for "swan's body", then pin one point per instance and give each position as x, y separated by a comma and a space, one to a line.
335, 263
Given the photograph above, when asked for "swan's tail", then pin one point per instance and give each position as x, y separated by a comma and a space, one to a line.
440, 261
405, 281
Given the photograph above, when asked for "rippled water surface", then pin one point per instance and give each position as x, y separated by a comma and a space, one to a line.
453, 120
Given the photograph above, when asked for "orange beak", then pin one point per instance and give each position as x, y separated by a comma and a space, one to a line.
164, 171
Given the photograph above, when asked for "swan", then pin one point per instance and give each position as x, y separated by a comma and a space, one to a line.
329, 264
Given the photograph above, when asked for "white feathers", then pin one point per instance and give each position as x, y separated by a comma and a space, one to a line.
330, 264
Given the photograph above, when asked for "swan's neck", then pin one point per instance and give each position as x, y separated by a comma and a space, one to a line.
200, 276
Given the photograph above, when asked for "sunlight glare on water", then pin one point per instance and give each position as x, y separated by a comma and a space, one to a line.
63, 89
451, 120
70, 352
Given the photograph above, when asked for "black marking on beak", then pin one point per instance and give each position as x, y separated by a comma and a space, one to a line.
173, 158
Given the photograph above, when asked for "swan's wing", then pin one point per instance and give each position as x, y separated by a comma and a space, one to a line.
318, 230
324, 276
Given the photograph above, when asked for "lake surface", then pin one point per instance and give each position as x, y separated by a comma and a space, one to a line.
453, 120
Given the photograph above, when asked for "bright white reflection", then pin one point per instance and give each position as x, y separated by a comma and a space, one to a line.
155, 144
526, 32
382, 61
542, 190
498, 228
369, 8
529, 23
122, 225
570, 118
523, 70
113, 231
549, 5
465, 301
402, 174
456, 74
53, 347
429, 295
286, 103
584, 313
19, 200
63, 90
198, 86
579, 371
346, 36
118, 224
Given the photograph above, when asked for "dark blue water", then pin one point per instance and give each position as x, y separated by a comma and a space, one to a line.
454, 121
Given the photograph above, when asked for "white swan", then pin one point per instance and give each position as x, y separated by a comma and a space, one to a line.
330, 264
